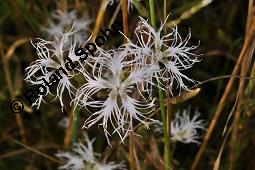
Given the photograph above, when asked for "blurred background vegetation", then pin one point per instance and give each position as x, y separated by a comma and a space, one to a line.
220, 27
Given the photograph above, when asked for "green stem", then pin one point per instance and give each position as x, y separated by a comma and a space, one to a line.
165, 120
152, 13
75, 126
167, 152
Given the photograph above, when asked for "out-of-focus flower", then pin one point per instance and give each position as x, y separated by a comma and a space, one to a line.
120, 108
157, 127
184, 128
63, 21
82, 157
64, 122
166, 56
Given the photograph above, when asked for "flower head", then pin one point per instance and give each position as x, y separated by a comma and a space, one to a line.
82, 157
184, 128
52, 55
119, 108
166, 56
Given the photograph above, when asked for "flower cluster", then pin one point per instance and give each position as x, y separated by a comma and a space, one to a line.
118, 84
82, 157
52, 56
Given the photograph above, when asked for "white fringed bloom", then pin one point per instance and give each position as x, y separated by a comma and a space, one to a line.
120, 108
64, 20
82, 157
184, 128
167, 54
52, 55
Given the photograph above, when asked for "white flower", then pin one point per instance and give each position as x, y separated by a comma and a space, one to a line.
163, 54
65, 20
82, 157
184, 128
72, 162
52, 55
120, 108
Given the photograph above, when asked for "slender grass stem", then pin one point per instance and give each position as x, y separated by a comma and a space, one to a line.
165, 120
75, 126
152, 13
131, 153
69, 129
6, 58
166, 123
99, 19
168, 105
125, 18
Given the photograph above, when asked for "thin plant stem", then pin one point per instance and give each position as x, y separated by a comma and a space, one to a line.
35, 151
125, 18
134, 161
69, 129
168, 107
75, 126
114, 16
235, 138
132, 149
188, 13
6, 59
131, 153
152, 13
167, 161
224, 97
165, 16
166, 126
99, 19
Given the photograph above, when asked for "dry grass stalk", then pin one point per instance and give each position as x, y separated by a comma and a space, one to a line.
248, 53
99, 19
69, 132
125, 18
6, 59
246, 47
